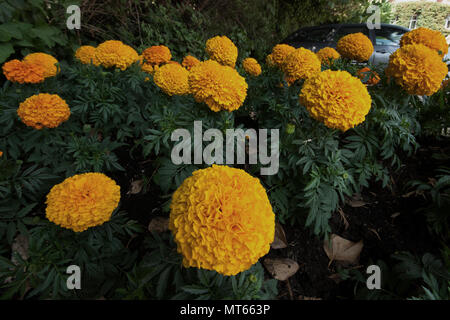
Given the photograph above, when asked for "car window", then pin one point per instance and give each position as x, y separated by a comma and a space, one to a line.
311, 35
343, 31
388, 36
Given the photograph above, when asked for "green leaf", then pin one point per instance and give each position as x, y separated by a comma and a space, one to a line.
6, 49
195, 289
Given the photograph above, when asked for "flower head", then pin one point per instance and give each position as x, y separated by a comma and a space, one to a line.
300, 64
147, 68
82, 201
114, 53
86, 54
172, 79
418, 69
222, 50
189, 61
1, 153
220, 87
336, 98
430, 38
280, 53
269, 60
43, 110
355, 46
46, 61
368, 76
222, 220
156, 55
251, 66
326, 54
23, 72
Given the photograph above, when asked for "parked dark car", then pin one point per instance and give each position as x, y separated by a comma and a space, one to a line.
385, 40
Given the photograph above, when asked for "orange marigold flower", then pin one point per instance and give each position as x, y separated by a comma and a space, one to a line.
23, 72
220, 87
189, 61
336, 98
148, 68
430, 38
82, 201
46, 61
114, 53
300, 64
222, 220
86, 54
269, 61
252, 67
222, 50
1, 153
43, 110
327, 54
156, 55
368, 76
172, 79
355, 46
174, 62
418, 69
280, 53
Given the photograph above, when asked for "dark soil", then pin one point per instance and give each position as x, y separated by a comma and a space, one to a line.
388, 222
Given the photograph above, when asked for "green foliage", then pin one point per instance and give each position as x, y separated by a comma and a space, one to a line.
30, 26
159, 276
430, 14
415, 278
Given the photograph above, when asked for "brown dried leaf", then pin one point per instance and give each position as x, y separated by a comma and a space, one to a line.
136, 186
343, 217
343, 250
279, 241
356, 203
335, 277
281, 269
20, 245
158, 224
308, 298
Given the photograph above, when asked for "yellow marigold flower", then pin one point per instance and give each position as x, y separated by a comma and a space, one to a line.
43, 110
82, 201
148, 68
46, 61
269, 61
368, 76
156, 55
417, 68
23, 72
86, 54
430, 38
114, 53
280, 53
172, 79
336, 98
252, 67
300, 64
355, 46
220, 87
326, 54
222, 220
222, 50
189, 61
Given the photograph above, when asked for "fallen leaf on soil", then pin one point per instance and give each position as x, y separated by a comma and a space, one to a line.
19, 245
343, 250
279, 241
136, 186
356, 203
395, 215
335, 277
376, 233
158, 224
281, 269
308, 298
